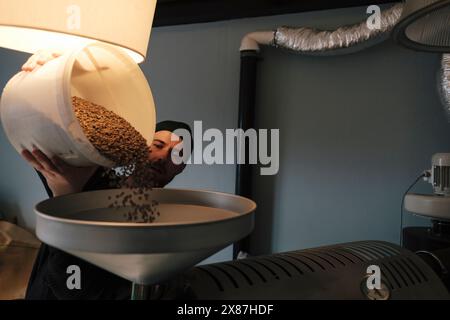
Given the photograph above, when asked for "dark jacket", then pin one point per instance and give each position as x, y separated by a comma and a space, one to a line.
49, 276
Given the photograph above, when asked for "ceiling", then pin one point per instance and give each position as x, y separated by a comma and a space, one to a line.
173, 12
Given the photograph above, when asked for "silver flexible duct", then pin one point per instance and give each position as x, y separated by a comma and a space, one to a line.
445, 84
344, 39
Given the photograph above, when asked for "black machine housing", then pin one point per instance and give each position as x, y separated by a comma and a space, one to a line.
330, 272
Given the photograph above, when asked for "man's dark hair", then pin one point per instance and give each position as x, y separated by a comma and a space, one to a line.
171, 126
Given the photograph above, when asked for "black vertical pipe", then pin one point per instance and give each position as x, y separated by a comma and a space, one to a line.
246, 120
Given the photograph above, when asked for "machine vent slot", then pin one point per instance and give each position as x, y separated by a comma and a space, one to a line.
267, 268
229, 276
299, 260
424, 277
386, 279
333, 257
411, 270
254, 270
391, 274
389, 251
380, 253
279, 266
405, 271
310, 259
350, 253
230, 265
369, 251
319, 256
362, 253
213, 277
290, 263
343, 255
399, 273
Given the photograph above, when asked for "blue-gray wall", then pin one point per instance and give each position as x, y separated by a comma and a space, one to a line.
355, 130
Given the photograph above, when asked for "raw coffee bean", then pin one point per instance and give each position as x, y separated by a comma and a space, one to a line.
117, 140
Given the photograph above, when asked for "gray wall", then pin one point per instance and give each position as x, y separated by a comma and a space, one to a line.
355, 130
20, 187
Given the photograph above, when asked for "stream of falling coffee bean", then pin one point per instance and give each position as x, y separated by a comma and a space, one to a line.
116, 139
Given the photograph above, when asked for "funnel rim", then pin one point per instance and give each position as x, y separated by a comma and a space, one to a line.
140, 225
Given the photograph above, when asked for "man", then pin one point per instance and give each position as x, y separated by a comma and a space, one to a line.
48, 279
49, 275
61, 178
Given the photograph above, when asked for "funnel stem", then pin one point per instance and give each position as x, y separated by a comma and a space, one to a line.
139, 291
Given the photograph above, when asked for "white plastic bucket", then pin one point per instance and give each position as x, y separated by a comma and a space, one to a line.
36, 107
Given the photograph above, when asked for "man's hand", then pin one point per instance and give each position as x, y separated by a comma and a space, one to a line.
61, 177
39, 58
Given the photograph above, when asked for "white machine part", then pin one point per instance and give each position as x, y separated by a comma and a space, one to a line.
436, 206
440, 173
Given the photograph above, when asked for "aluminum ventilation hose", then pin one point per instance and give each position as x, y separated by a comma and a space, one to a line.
343, 40
445, 84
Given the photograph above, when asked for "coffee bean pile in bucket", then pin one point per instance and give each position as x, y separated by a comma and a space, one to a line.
117, 140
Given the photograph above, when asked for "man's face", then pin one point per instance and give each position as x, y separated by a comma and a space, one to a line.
160, 155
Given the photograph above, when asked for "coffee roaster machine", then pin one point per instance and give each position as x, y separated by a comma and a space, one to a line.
332, 272
419, 269
158, 258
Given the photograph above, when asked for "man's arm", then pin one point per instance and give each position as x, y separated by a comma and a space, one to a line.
61, 177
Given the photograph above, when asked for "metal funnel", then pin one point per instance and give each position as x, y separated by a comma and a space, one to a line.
192, 226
